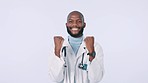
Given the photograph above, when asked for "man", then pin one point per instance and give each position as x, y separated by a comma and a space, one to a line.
77, 59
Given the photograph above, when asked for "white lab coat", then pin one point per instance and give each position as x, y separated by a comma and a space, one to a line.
72, 73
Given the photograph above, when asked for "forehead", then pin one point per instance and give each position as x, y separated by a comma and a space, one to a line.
74, 16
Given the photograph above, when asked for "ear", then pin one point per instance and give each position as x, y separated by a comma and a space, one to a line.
84, 25
66, 24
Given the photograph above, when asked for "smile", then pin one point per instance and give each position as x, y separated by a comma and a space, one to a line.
74, 28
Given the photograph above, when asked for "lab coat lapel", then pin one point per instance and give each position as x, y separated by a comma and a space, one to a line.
65, 43
82, 49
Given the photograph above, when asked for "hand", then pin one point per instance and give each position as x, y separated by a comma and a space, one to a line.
89, 41
58, 41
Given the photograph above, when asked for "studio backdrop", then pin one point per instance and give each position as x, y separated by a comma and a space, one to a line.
27, 28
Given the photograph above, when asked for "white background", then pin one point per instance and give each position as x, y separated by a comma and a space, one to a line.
27, 28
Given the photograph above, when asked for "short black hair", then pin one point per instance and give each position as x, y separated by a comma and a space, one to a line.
81, 15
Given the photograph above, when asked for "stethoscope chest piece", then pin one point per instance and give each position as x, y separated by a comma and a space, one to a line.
81, 65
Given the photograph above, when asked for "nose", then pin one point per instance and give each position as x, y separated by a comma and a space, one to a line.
74, 24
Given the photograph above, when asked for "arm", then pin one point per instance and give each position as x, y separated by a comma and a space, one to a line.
56, 69
96, 68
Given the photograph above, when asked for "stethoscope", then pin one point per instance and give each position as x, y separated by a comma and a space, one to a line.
64, 54
81, 64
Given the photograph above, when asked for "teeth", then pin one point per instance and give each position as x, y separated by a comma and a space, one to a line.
74, 28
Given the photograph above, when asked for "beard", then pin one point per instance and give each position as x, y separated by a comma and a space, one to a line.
79, 34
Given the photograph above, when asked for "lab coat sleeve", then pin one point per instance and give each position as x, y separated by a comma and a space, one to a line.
96, 68
56, 68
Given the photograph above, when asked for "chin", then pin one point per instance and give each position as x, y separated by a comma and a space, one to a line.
74, 33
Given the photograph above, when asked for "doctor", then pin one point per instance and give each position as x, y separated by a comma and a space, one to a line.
76, 59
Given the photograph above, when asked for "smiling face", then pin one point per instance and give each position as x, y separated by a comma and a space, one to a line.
75, 24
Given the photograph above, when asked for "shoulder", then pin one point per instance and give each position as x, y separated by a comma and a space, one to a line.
97, 45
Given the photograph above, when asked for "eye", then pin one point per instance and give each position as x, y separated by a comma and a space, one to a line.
80, 21
70, 21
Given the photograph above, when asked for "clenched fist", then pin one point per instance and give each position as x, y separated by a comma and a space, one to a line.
89, 41
58, 41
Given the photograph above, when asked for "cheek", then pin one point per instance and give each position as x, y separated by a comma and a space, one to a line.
68, 25
81, 24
